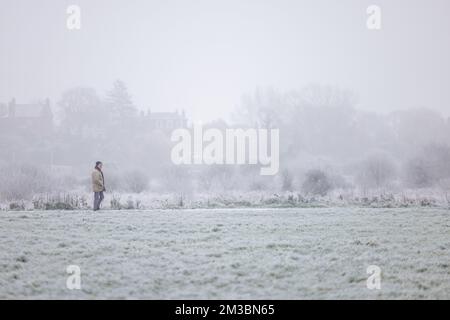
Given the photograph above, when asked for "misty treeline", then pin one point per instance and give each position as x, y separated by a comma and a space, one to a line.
326, 144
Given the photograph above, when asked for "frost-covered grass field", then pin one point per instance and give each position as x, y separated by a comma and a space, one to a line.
311, 253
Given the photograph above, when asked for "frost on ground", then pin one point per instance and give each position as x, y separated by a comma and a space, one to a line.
226, 253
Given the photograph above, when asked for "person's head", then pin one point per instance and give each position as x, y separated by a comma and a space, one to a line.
99, 164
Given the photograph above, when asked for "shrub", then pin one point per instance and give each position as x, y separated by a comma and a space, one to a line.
417, 174
316, 183
136, 181
16, 206
20, 182
286, 180
376, 171
59, 202
115, 203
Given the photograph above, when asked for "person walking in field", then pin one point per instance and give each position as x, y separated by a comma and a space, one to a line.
98, 185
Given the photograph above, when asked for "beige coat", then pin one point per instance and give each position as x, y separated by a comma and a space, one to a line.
98, 184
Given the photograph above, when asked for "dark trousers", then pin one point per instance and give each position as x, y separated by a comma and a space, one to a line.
98, 198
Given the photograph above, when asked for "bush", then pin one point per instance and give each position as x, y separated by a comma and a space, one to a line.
376, 171
20, 182
115, 203
417, 174
130, 204
59, 202
286, 180
136, 181
16, 206
429, 167
316, 183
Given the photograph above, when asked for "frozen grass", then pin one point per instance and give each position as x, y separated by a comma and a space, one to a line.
292, 253
234, 199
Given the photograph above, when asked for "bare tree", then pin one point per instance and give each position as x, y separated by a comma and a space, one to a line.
80, 108
376, 171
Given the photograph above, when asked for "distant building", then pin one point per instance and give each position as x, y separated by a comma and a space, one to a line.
30, 119
163, 120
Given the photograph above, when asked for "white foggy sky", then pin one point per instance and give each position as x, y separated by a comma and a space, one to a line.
203, 55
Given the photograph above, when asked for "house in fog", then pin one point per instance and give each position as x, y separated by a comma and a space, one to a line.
26, 132
35, 119
164, 121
